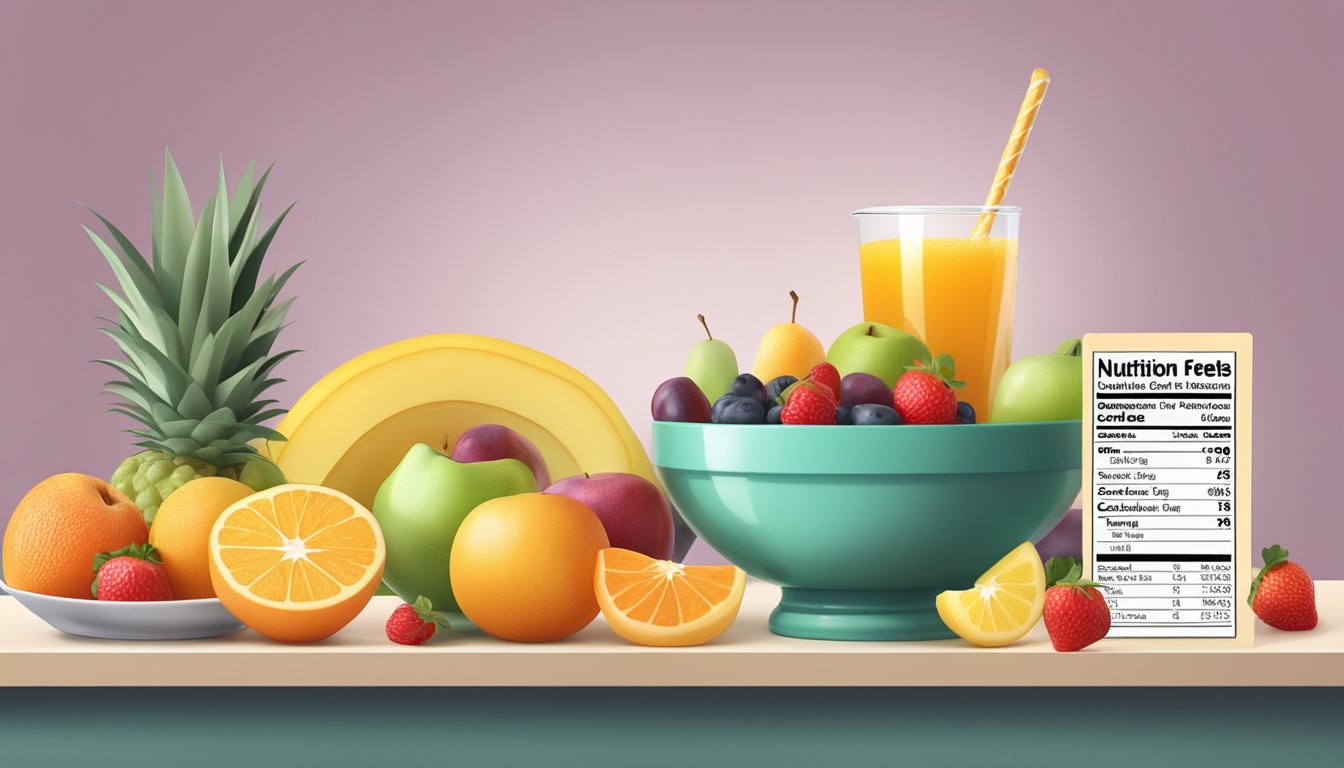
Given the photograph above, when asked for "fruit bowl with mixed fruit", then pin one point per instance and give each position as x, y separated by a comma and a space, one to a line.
864, 526
861, 500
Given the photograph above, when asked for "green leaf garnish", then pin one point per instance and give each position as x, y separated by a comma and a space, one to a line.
1058, 569
425, 610
1073, 577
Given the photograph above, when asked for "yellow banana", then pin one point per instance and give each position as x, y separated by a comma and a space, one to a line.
352, 428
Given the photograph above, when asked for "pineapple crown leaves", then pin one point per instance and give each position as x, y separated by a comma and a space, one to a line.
196, 323
942, 367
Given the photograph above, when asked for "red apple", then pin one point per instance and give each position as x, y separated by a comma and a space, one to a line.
490, 442
634, 512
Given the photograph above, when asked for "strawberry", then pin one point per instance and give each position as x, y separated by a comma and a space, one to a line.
1283, 594
414, 623
826, 375
133, 573
809, 403
925, 394
1076, 614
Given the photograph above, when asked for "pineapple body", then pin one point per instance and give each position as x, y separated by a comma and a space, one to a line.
149, 477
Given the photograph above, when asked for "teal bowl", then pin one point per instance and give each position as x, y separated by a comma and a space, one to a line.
862, 527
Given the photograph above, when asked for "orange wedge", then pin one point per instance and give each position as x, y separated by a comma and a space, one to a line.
662, 603
296, 562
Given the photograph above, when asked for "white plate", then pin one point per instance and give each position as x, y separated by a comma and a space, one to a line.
159, 620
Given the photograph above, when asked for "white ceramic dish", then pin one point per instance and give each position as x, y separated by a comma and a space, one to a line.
165, 620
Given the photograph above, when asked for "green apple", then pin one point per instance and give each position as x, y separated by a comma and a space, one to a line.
420, 507
260, 473
876, 349
712, 365
1042, 387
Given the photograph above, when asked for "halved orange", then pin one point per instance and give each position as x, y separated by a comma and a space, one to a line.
659, 602
296, 562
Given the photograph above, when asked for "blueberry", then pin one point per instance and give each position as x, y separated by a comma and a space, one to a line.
776, 415
778, 385
742, 410
747, 385
716, 413
844, 415
870, 414
965, 413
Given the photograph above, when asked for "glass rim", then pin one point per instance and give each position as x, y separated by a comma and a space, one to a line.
928, 210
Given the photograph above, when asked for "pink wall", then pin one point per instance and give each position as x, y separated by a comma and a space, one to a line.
585, 177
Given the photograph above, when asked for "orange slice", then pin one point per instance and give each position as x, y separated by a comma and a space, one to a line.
296, 562
659, 602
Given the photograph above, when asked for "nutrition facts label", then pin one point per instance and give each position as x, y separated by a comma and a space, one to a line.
1163, 491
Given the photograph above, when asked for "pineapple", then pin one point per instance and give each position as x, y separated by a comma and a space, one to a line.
195, 329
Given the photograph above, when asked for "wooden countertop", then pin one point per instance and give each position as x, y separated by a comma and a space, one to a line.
33, 654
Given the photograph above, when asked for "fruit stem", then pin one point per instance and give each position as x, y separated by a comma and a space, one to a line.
701, 318
794, 317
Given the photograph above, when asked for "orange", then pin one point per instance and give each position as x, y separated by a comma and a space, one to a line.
522, 566
296, 562
659, 602
181, 532
57, 529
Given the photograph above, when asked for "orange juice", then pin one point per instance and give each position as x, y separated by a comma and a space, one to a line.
955, 293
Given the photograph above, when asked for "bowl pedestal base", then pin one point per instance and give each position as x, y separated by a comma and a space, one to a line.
858, 614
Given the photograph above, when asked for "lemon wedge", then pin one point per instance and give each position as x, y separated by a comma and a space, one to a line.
1004, 604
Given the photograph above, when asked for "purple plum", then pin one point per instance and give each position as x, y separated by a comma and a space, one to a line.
1065, 539
680, 399
862, 389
